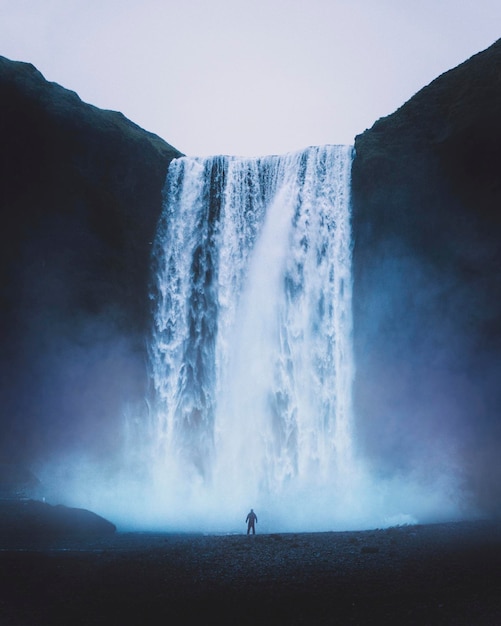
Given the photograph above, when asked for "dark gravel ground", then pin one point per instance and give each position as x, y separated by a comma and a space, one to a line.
426, 574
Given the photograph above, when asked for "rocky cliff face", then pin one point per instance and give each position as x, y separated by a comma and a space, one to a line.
427, 261
80, 194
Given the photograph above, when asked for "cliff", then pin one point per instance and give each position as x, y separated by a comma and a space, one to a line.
427, 280
80, 195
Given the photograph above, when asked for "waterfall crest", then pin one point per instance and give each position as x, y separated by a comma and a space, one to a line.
251, 356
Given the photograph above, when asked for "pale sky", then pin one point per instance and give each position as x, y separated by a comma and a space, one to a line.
252, 77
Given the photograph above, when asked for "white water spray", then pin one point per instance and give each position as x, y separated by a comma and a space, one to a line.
251, 365
251, 358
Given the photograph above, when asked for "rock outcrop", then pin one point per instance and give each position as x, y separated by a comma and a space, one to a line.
427, 280
80, 195
30, 521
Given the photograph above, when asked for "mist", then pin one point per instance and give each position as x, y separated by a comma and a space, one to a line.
424, 405
398, 455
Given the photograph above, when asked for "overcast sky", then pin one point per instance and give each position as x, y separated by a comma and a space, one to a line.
247, 77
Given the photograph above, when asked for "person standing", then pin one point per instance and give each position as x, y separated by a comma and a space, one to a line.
251, 520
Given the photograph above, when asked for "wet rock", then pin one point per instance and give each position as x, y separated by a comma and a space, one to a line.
30, 520
427, 285
80, 196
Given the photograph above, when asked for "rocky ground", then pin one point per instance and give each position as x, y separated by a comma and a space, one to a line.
430, 574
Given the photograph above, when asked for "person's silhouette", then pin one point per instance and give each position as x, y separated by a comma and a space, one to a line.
251, 520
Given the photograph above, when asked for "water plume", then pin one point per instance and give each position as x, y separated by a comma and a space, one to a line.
251, 361
251, 357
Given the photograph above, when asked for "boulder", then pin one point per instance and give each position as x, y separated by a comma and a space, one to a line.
34, 520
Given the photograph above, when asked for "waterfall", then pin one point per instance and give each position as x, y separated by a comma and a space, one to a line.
251, 367
251, 355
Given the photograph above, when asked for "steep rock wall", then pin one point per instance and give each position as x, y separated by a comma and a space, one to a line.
427, 280
80, 195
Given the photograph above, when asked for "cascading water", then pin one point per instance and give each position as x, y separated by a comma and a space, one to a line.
251, 356
251, 366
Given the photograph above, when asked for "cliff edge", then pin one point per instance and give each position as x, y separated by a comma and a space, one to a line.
80, 195
427, 281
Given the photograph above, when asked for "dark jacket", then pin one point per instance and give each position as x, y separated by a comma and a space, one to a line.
251, 518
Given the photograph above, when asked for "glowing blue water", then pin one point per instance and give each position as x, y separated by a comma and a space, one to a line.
251, 364
251, 359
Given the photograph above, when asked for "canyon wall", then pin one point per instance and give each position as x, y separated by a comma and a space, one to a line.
427, 279
80, 196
